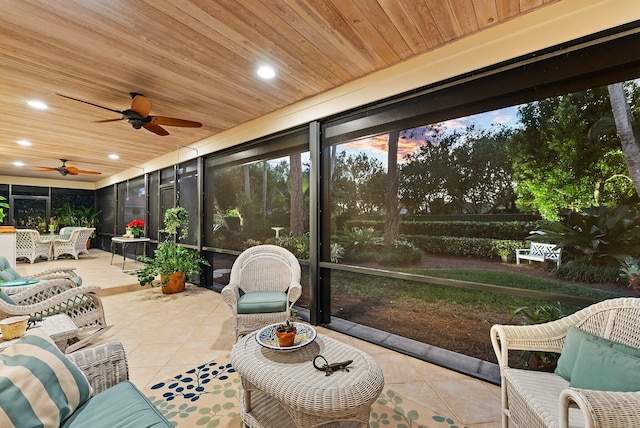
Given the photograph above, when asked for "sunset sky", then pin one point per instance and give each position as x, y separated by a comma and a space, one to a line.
377, 146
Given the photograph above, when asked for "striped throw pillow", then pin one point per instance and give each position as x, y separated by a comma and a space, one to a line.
39, 386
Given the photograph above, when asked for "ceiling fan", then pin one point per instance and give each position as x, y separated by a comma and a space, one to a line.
138, 115
65, 170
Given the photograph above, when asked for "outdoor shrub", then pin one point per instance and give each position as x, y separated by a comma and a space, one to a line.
601, 236
630, 273
583, 271
337, 252
298, 245
402, 253
512, 230
357, 239
483, 248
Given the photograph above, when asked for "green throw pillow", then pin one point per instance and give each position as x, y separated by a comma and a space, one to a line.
603, 368
571, 347
39, 386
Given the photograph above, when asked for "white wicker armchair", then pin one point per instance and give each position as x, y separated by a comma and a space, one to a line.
74, 245
263, 268
29, 245
104, 365
532, 399
81, 304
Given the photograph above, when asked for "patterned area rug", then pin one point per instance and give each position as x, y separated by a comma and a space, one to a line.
208, 396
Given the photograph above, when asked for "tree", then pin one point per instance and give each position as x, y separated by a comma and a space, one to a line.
557, 166
469, 172
392, 218
356, 184
295, 190
623, 119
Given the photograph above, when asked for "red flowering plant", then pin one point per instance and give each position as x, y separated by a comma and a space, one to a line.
630, 271
136, 226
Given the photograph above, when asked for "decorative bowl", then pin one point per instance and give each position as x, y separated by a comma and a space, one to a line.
305, 334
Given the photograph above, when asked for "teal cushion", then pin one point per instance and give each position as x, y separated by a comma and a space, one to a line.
77, 280
571, 347
5, 276
603, 368
262, 302
39, 386
12, 273
4, 296
122, 405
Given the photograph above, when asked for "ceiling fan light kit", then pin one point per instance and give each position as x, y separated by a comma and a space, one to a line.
138, 115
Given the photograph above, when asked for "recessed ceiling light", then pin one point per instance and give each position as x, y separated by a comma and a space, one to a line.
114, 156
38, 105
24, 143
266, 72
18, 163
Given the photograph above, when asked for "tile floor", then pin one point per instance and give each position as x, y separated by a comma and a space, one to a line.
166, 334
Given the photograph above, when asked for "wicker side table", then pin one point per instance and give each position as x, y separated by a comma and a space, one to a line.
283, 389
59, 327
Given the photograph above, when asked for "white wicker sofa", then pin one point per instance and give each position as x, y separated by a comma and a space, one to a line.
532, 399
102, 398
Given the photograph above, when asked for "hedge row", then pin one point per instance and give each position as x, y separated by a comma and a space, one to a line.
484, 248
511, 230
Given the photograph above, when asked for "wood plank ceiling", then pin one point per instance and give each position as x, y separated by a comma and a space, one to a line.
196, 60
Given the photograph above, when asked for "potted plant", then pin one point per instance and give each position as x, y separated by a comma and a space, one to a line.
4, 205
136, 227
171, 260
286, 334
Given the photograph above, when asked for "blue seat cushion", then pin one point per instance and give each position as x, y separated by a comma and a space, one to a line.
261, 302
122, 405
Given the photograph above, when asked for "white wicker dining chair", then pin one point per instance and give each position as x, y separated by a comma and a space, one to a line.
29, 245
263, 286
52, 297
74, 245
534, 399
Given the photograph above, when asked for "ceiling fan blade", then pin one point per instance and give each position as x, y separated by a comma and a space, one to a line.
82, 171
141, 104
45, 168
170, 121
72, 170
156, 129
107, 120
92, 104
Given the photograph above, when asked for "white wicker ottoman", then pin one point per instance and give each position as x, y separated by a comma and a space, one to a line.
283, 389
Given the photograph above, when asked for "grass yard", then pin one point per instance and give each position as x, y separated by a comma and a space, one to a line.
447, 317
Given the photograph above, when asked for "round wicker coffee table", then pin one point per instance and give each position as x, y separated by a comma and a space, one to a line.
283, 389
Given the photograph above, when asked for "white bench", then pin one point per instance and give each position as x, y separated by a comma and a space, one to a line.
539, 252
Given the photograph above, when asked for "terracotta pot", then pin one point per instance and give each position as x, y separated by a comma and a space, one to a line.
286, 339
175, 284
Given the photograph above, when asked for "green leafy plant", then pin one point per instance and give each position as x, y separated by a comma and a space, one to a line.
170, 257
601, 236
337, 252
3, 206
176, 218
630, 271
537, 315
